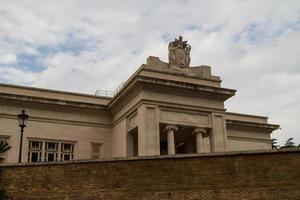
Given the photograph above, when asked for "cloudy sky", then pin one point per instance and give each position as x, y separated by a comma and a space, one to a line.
87, 45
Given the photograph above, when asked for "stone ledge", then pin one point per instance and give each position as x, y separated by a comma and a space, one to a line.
142, 158
58, 102
252, 124
53, 91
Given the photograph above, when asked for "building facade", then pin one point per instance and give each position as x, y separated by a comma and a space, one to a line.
163, 108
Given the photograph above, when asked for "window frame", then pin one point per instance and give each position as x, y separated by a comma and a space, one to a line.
32, 150
96, 155
58, 152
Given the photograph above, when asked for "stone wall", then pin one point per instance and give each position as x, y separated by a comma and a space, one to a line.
234, 176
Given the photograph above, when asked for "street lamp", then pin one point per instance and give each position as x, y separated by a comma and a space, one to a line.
22, 118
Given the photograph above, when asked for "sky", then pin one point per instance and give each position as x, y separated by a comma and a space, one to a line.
85, 45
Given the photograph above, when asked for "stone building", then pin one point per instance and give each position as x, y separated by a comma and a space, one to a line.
163, 108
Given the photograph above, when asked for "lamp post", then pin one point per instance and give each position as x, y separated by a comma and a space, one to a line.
22, 118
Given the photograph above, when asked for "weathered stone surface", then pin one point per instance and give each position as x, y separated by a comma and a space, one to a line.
222, 176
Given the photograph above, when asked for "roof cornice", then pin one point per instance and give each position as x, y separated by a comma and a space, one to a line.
190, 86
58, 102
252, 124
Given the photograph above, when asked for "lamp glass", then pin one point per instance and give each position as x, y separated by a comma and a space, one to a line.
23, 118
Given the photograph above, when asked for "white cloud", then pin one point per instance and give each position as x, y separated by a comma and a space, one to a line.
12, 74
8, 58
88, 45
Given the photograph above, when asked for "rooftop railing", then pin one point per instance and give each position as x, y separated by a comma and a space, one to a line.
108, 93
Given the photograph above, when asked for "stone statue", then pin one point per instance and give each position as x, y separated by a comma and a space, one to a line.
179, 53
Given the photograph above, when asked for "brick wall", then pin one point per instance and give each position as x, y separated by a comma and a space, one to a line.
234, 176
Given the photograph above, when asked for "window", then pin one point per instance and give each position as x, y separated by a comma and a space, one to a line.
96, 150
51, 146
49, 151
67, 151
35, 145
35, 151
68, 148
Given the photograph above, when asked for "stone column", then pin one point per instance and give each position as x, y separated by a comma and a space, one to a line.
199, 132
170, 129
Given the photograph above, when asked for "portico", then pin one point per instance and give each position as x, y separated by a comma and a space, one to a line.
162, 136
187, 140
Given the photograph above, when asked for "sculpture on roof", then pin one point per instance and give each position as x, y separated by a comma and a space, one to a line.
179, 53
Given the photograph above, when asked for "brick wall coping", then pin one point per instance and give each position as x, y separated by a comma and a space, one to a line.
120, 159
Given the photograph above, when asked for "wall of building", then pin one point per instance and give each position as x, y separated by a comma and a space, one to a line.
246, 144
247, 138
56, 123
257, 175
119, 136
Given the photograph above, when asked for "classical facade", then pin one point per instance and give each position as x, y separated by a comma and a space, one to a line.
163, 108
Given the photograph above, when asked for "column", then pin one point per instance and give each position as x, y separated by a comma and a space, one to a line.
199, 132
170, 129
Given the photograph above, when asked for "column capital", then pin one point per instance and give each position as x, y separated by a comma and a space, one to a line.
171, 127
199, 130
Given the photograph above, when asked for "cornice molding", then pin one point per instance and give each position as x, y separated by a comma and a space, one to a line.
139, 80
52, 91
252, 124
58, 102
227, 93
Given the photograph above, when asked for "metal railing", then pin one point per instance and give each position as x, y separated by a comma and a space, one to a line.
104, 93
108, 93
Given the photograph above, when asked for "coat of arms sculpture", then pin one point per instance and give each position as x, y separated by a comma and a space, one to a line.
179, 53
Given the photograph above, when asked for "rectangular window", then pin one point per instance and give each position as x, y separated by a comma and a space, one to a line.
96, 150
50, 151
67, 148
35, 145
51, 146
35, 156
67, 151
35, 151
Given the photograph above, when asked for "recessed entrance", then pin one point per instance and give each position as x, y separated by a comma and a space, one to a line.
184, 140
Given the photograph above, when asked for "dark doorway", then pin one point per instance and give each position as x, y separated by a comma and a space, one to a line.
185, 141
180, 148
